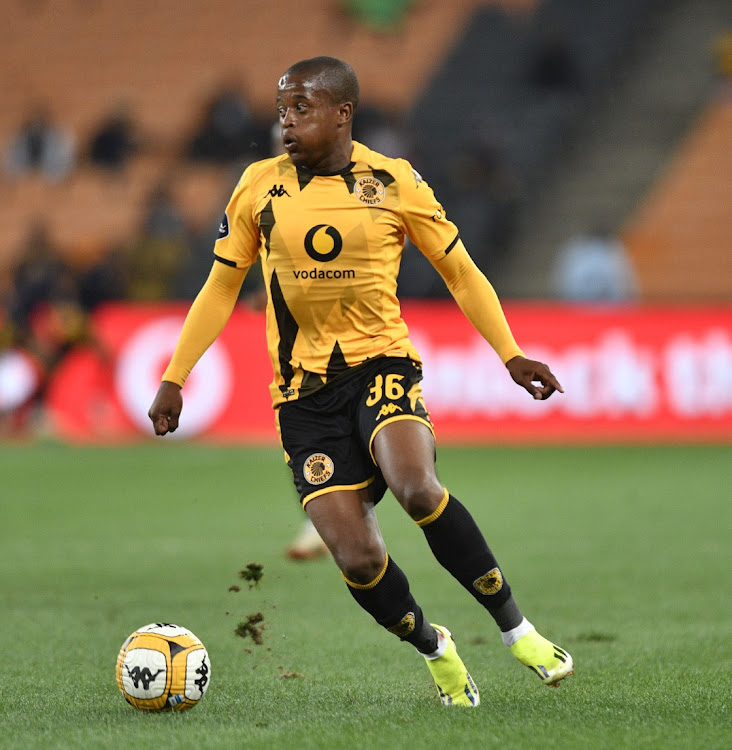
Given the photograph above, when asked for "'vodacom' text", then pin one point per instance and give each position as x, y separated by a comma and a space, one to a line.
319, 273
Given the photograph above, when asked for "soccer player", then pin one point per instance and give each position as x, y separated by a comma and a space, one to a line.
328, 220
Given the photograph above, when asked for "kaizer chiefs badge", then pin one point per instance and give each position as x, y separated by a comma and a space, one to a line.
404, 627
318, 468
370, 191
490, 583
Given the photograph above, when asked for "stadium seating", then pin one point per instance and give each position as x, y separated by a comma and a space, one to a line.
680, 238
163, 58
492, 66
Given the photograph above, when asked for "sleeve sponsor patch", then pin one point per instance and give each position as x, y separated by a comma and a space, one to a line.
223, 228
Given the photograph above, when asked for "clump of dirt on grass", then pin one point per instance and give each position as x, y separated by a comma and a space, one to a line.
252, 574
292, 675
251, 628
234, 587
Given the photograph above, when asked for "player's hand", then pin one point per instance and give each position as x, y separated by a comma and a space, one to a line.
166, 408
528, 372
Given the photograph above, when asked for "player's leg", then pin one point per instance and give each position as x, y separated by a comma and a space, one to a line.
347, 523
336, 484
404, 450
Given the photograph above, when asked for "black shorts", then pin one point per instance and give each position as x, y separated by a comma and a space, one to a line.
327, 436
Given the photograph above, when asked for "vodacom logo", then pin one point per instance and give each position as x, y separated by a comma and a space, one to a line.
143, 359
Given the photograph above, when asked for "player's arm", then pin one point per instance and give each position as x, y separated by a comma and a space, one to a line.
480, 304
206, 319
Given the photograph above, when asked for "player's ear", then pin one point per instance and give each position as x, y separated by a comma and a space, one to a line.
345, 113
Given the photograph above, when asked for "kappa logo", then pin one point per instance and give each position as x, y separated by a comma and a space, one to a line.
490, 583
370, 191
144, 676
387, 409
202, 672
318, 468
277, 191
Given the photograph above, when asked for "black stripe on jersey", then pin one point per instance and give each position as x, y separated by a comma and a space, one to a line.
337, 363
303, 178
266, 223
287, 327
225, 261
452, 244
350, 180
383, 175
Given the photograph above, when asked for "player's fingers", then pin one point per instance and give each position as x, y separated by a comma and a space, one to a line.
544, 392
549, 383
554, 383
539, 393
529, 381
160, 423
548, 386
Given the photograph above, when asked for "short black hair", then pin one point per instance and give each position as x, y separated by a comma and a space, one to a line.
336, 76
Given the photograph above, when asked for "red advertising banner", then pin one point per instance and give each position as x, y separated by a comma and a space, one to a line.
629, 374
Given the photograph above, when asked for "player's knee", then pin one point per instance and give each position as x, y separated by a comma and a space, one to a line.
361, 565
419, 494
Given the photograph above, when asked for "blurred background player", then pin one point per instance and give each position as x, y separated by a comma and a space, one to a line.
308, 544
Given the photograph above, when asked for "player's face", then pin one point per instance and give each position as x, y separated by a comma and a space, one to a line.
313, 125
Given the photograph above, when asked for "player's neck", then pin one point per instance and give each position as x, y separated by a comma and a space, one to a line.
337, 161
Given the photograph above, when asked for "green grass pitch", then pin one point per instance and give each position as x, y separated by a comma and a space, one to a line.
622, 555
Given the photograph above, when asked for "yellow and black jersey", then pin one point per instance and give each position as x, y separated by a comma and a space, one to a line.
330, 247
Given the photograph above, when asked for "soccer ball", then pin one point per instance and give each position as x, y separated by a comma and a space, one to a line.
163, 667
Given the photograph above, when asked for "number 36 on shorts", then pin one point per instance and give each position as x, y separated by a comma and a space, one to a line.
389, 386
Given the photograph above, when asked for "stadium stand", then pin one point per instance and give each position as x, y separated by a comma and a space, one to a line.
680, 239
486, 82
488, 93
624, 142
79, 59
472, 79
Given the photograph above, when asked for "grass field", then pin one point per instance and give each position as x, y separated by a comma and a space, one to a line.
622, 555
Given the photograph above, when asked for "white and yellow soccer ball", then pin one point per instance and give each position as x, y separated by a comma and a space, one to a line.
163, 667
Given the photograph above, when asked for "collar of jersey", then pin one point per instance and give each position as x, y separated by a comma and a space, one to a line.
310, 172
